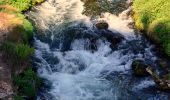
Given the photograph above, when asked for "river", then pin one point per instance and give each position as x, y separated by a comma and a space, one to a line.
73, 71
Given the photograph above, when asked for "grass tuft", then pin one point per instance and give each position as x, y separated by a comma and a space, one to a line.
27, 83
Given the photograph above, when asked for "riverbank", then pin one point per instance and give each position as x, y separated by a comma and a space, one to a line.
17, 79
153, 18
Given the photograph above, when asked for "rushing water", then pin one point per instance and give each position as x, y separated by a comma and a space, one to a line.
73, 71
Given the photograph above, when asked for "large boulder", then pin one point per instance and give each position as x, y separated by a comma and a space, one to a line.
139, 68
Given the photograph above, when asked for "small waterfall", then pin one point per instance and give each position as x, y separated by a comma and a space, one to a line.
71, 70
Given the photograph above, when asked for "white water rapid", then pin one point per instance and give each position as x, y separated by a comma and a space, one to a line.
71, 70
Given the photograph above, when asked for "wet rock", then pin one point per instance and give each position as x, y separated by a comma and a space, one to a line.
139, 68
112, 37
102, 31
162, 83
102, 25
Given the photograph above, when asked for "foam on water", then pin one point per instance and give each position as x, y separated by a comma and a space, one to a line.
117, 24
55, 14
84, 84
79, 74
144, 84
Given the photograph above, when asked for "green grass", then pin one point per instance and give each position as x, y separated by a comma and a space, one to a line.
153, 16
22, 5
27, 83
23, 51
17, 53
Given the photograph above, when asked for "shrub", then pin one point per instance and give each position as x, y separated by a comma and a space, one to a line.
27, 83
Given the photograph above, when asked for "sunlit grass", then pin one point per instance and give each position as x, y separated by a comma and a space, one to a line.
153, 16
21, 5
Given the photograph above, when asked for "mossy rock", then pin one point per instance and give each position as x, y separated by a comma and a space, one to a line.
139, 68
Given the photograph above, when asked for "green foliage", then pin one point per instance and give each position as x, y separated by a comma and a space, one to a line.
17, 49
8, 48
23, 52
18, 52
27, 83
26, 24
22, 5
29, 29
1, 2
153, 16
